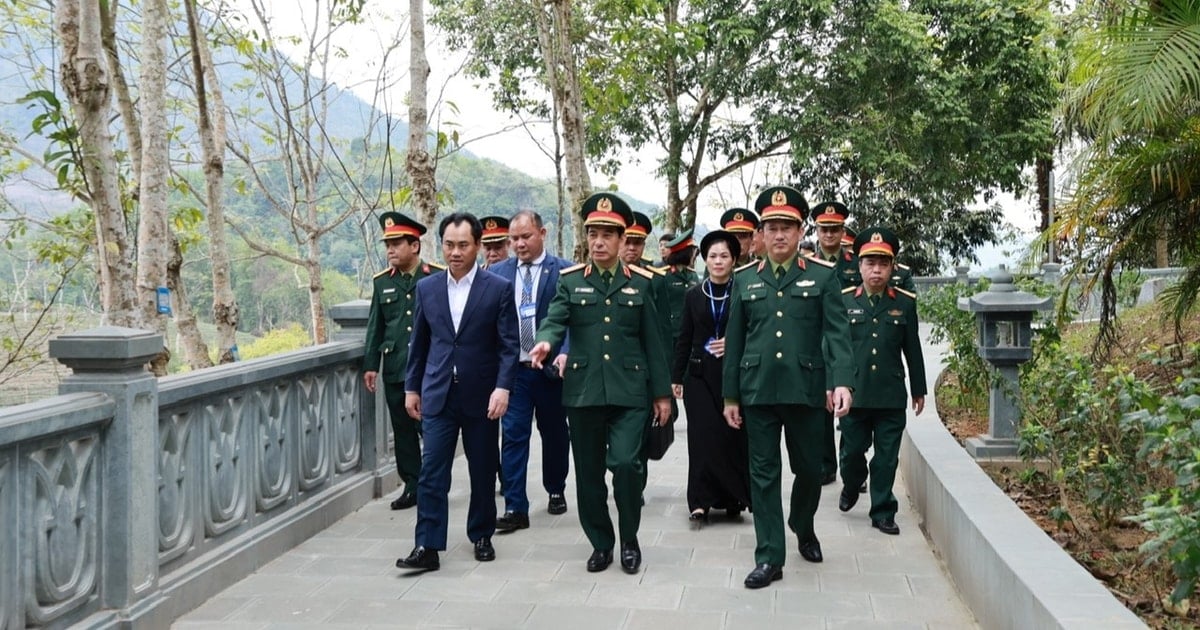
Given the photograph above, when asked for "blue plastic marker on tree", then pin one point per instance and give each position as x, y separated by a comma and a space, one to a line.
164, 300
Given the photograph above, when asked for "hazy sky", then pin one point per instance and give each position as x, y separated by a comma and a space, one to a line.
494, 135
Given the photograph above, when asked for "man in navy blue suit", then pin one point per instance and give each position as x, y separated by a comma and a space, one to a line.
461, 362
534, 274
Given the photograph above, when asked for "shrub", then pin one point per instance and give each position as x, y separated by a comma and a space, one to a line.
277, 341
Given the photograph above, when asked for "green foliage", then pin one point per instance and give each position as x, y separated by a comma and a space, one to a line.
939, 307
1171, 423
277, 341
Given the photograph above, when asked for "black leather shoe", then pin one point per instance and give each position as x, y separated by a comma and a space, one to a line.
847, 499
599, 560
763, 575
811, 551
557, 504
828, 478
405, 500
886, 525
421, 559
512, 521
631, 557
484, 551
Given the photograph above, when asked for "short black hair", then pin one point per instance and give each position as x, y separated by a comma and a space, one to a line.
455, 218
532, 214
685, 256
666, 237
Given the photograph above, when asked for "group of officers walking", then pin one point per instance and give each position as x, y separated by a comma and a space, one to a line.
770, 343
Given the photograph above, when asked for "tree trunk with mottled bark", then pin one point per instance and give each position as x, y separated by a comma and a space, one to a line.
85, 79
195, 351
210, 105
568, 96
420, 166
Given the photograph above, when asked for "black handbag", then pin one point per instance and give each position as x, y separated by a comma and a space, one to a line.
659, 438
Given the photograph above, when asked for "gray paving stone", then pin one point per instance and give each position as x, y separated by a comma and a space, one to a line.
501, 615
364, 587
541, 593
453, 589
355, 565
904, 608
727, 600
865, 583
575, 618
662, 619
686, 576
218, 608
260, 584
386, 612
824, 604
767, 621
636, 595
289, 608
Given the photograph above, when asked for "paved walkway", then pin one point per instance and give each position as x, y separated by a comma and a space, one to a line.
345, 577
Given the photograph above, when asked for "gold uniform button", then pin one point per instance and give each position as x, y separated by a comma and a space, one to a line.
607, 319
872, 368
778, 355
606, 357
778, 333
874, 334
607, 302
806, 294
606, 337
408, 312
409, 329
874, 351
779, 294
583, 302
778, 313
408, 296
875, 320
574, 366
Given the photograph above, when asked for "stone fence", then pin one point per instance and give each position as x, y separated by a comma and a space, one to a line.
129, 500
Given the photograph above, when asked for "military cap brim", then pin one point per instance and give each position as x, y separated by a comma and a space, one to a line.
781, 203
396, 225
830, 213
877, 241
606, 209
739, 220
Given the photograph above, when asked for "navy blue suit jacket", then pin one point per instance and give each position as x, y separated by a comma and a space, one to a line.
547, 284
484, 351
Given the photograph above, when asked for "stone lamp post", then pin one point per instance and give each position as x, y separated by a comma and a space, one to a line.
1005, 317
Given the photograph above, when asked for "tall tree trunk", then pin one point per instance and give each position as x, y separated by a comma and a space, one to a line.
418, 163
120, 87
153, 238
86, 82
1161, 253
195, 351
1043, 166
212, 146
315, 289
554, 37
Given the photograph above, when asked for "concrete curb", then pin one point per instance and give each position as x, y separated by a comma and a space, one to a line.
1009, 572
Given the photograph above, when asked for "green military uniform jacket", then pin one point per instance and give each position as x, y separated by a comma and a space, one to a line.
773, 347
880, 335
678, 280
389, 324
617, 353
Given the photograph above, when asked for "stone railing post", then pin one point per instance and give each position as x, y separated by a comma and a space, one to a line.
1052, 274
111, 360
351, 318
960, 274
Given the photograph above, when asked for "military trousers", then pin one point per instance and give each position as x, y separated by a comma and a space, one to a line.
406, 436
802, 431
608, 437
881, 429
829, 454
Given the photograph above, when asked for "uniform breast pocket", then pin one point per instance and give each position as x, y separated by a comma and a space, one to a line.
585, 308
392, 304
754, 295
805, 303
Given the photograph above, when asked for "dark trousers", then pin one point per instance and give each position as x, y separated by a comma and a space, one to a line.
481, 438
829, 454
883, 429
533, 395
406, 436
608, 437
802, 430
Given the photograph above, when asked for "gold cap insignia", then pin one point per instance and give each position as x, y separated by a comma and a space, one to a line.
604, 205
778, 198
877, 238
491, 224
830, 210
737, 216
389, 222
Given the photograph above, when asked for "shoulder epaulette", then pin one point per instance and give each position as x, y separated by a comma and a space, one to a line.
645, 273
821, 261
908, 293
662, 271
572, 268
436, 266
752, 263
848, 289
385, 271
903, 266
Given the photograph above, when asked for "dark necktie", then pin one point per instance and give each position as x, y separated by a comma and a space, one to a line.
526, 298
607, 278
779, 271
874, 300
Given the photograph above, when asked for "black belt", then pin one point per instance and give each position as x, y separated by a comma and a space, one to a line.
528, 364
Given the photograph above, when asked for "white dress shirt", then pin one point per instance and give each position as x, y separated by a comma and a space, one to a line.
458, 291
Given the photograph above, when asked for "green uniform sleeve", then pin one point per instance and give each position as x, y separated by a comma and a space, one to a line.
836, 338
913, 355
656, 351
375, 333
735, 345
553, 328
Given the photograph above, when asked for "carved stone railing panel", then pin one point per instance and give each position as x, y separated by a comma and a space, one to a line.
313, 416
177, 483
62, 503
9, 571
347, 419
225, 466
274, 462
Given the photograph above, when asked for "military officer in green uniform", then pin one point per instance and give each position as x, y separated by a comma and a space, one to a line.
883, 327
742, 223
787, 356
617, 363
681, 255
495, 240
389, 326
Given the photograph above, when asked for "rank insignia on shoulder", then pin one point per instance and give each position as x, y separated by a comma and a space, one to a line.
383, 273
806, 283
640, 271
819, 261
584, 290
629, 290
848, 289
434, 265
905, 292
895, 312
572, 268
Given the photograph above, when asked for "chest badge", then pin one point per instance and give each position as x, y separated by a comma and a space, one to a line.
895, 312
629, 290
584, 290
806, 283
